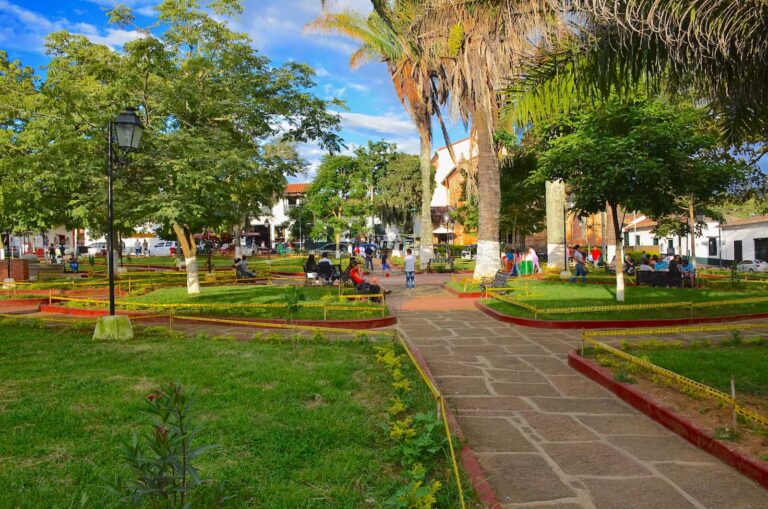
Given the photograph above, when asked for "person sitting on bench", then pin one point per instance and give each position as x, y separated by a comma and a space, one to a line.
362, 285
241, 268
325, 269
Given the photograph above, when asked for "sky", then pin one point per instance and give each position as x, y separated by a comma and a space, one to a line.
276, 28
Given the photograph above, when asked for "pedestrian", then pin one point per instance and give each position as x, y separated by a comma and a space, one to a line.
137, 247
145, 248
535, 259
384, 263
410, 269
581, 269
368, 258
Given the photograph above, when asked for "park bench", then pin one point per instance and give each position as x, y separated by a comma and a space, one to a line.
440, 265
499, 280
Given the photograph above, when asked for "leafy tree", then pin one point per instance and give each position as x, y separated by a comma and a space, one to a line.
338, 199
641, 155
399, 191
523, 202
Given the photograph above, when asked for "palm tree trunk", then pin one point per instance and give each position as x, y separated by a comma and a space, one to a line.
489, 200
692, 226
187, 244
426, 252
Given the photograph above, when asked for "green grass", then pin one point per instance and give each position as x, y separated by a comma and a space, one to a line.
714, 366
551, 295
296, 427
247, 294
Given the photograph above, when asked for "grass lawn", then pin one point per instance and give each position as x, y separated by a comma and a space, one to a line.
295, 427
546, 294
278, 263
249, 294
714, 366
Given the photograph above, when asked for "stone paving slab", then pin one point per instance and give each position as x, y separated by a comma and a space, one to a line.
549, 438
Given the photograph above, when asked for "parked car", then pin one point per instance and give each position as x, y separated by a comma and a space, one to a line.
330, 248
97, 249
164, 248
752, 266
469, 252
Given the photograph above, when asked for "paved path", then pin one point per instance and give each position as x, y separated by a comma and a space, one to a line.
550, 438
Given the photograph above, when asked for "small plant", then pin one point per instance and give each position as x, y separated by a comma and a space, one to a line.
162, 460
318, 337
292, 298
725, 433
735, 340
418, 493
624, 377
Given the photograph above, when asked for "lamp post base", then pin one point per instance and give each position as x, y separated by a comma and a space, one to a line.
9, 283
113, 328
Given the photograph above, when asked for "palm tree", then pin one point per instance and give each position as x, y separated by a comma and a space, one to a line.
382, 38
486, 41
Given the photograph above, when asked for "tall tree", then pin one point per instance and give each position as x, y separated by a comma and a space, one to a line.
399, 191
639, 155
384, 36
338, 199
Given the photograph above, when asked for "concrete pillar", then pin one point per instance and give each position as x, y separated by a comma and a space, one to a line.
555, 194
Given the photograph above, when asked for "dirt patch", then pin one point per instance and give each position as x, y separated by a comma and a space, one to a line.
315, 402
708, 413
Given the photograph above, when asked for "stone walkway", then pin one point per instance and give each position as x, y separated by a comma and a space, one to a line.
547, 436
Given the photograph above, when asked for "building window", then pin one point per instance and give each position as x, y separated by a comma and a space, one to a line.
637, 240
761, 249
655, 241
626, 239
712, 246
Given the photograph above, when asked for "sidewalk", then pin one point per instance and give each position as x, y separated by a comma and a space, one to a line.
548, 437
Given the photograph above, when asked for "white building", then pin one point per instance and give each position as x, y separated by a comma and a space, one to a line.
269, 227
464, 150
745, 239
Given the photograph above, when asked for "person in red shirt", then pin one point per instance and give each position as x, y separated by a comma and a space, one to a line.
596, 255
356, 275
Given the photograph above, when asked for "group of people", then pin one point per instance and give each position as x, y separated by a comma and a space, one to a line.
141, 248
325, 270
514, 261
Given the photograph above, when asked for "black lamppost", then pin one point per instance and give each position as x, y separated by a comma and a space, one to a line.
10, 253
127, 129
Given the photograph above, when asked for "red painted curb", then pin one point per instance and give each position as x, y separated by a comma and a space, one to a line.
21, 302
296, 274
749, 467
609, 324
371, 323
462, 295
469, 461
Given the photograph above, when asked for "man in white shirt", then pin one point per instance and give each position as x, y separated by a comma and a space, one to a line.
410, 269
581, 269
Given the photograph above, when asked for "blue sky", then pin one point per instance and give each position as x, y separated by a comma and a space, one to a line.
276, 28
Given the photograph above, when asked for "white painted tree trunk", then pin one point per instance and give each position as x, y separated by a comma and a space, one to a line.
488, 184
338, 249
2, 248
619, 254
238, 236
488, 260
187, 244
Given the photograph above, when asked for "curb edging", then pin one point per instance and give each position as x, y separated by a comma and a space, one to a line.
610, 324
462, 295
747, 466
469, 461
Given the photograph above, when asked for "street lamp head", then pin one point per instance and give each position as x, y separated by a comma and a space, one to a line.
128, 129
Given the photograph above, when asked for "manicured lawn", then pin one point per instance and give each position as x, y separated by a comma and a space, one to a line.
555, 295
295, 427
714, 366
219, 297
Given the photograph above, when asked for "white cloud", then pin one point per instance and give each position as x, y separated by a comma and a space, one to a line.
397, 125
26, 29
357, 86
321, 71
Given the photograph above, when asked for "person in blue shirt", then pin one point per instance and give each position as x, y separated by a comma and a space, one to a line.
662, 264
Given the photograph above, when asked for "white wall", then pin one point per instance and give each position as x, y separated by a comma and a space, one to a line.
747, 235
463, 150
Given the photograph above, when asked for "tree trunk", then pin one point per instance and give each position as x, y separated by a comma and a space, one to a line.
238, 231
426, 251
489, 194
2, 249
692, 225
619, 254
556, 235
187, 244
338, 249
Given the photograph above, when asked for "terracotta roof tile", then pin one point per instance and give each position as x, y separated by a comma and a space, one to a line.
299, 188
741, 222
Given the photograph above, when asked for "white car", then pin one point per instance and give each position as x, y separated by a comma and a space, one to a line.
164, 248
469, 252
97, 249
752, 266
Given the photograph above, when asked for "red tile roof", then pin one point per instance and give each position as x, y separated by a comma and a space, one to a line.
742, 222
299, 188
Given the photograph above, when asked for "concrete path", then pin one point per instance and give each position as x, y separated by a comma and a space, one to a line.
548, 437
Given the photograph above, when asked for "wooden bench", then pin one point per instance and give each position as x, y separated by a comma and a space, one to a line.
440, 265
499, 280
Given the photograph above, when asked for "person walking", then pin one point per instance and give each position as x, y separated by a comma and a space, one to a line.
368, 258
145, 248
410, 269
581, 269
137, 247
384, 262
